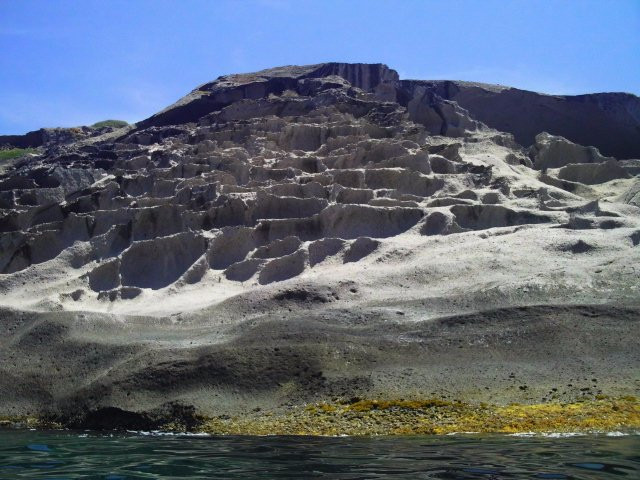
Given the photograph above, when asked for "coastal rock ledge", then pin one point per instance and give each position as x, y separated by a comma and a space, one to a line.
327, 249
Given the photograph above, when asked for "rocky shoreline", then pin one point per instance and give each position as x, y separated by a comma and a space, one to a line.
370, 417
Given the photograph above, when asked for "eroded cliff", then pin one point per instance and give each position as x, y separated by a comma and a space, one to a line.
307, 233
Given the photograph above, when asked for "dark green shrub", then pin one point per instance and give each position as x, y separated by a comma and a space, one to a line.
110, 123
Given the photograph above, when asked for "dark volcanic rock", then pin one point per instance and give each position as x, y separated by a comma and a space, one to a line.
608, 121
228, 89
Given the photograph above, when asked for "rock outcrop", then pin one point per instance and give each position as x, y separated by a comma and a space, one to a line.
607, 121
244, 244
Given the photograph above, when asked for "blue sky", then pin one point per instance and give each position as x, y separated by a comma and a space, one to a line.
68, 62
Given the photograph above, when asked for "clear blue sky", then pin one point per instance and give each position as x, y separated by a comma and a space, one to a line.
73, 62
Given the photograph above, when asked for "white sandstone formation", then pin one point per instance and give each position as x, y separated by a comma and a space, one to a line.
312, 232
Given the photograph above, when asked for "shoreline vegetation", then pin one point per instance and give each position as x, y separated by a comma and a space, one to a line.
403, 417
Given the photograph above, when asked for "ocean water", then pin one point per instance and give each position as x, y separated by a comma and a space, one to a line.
71, 455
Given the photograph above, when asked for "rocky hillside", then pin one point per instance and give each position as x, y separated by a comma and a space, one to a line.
323, 231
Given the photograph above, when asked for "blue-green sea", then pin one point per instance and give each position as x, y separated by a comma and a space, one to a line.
71, 455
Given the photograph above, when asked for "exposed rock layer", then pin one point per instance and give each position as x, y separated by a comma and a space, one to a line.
305, 233
608, 121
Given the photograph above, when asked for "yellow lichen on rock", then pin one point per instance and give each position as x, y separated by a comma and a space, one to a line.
601, 414
403, 417
408, 417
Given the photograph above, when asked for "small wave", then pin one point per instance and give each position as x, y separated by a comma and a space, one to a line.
160, 433
622, 434
572, 434
550, 434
